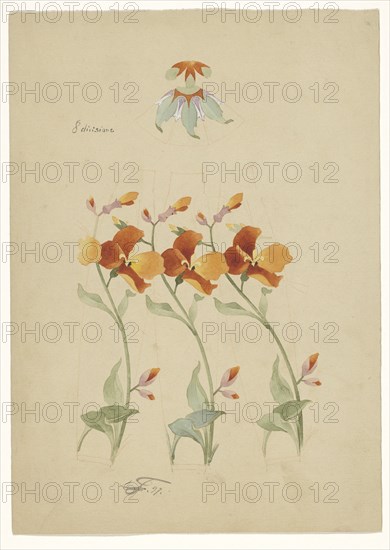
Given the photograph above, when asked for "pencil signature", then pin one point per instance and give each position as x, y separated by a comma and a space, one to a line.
149, 484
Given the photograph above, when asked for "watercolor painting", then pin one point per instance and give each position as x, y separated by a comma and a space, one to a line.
191, 102
133, 258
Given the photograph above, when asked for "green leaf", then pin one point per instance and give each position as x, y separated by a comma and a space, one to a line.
96, 420
176, 229
189, 118
274, 423
162, 309
232, 308
121, 224
183, 427
235, 227
112, 389
194, 307
291, 409
196, 395
263, 305
271, 423
280, 388
125, 302
92, 300
203, 418
117, 413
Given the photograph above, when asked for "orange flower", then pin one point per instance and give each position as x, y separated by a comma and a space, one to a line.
198, 273
261, 265
134, 267
190, 68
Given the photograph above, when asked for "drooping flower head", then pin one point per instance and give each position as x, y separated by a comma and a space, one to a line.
191, 102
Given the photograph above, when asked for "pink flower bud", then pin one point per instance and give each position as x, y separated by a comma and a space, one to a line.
201, 218
146, 394
148, 377
229, 377
91, 205
310, 364
231, 394
146, 215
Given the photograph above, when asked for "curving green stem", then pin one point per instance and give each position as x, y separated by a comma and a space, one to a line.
270, 328
126, 350
191, 326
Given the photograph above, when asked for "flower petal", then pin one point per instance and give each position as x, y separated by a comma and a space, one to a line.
110, 255
198, 282
246, 239
187, 242
229, 377
211, 266
235, 261
310, 364
235, 201
148, 264
128, 198
274, 258
133, 279
264, 276
173, 262
127, 238
148, 377
90, 251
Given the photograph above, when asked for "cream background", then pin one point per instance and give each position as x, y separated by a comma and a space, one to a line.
346, 453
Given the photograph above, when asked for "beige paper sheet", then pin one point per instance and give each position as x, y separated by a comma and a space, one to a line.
328, 301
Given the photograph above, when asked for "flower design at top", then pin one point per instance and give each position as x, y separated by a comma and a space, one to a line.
121, 254
262, 265
179, 262
189, 102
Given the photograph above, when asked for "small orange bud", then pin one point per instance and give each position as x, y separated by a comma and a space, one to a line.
128, 198
235, 201
181, 204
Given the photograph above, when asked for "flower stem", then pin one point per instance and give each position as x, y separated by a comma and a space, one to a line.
126, 350
270, 328
191, 326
